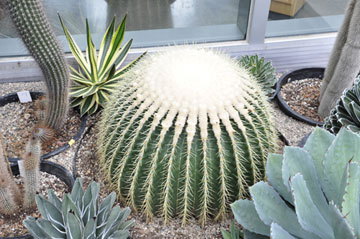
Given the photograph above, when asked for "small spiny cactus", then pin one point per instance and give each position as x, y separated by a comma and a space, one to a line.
39, 38
185, 134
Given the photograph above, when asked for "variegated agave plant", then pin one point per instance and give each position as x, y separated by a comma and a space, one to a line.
347, 111
312, 192
185, 134
99, 73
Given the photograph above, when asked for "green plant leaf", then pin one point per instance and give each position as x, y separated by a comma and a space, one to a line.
246, 215
91, 55
307, 212
105, 43
350, 205
34, 229
271, 208
274, 176
317, 145
297, 160
342, 150
341, 227
74, 228
75, 50
277, 232
50, 229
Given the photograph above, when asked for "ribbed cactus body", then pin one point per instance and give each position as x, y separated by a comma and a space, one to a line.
185, 134
35, 30
9, 192
30, 172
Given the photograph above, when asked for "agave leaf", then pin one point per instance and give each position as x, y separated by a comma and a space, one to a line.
251, 235
77, 192
105, 43
297, 160
114, 45
93, 109
91, 55
307, 212
86, 105
69, 205
105, 208
90, 229
80, 91
120, 235
245, 214
80, 80
74, 228
350, 205
34, 229
50, 212
90, 91
341, 227
277, 232
76, 50
344, 147
54, 199
317, 145
273, 174
271, 208
126, 68
76, 102
52, 231
117, 59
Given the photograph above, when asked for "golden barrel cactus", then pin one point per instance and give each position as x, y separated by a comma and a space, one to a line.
185, 134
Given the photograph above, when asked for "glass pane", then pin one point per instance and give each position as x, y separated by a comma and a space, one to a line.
149, 22
299, 17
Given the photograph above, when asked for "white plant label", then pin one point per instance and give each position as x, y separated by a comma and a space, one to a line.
24, 96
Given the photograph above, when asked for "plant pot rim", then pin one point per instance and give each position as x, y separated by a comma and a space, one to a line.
52, 168
11, 98
287, 77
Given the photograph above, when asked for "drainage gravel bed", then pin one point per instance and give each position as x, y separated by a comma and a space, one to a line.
88, 168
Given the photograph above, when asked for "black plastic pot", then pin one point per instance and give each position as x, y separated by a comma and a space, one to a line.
299, 74
51, 168
11, 98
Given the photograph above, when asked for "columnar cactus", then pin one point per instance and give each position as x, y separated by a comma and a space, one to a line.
11, 198
39, 38
30, 171
186, 132
9, 192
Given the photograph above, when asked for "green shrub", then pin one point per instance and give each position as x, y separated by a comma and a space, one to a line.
185, 134
312, 192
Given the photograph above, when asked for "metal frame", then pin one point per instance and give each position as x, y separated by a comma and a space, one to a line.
286, 53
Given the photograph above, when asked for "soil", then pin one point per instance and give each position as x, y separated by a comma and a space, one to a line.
11, 226
303, 97
23, 116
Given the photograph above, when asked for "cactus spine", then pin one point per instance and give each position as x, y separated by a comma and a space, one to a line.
39, 38
186, 133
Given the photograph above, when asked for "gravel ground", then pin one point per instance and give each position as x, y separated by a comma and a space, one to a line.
88, 169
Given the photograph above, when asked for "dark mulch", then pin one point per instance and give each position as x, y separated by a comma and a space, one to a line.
303, 97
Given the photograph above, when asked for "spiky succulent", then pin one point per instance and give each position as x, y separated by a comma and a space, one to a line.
347, 111
263, 71
11, 197
79, 215
98, 74
312, 192
185, 134
35, 30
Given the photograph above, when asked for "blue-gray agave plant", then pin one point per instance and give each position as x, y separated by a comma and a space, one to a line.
79, 215
312, 192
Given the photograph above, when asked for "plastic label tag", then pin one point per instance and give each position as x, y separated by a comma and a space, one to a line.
24, 96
